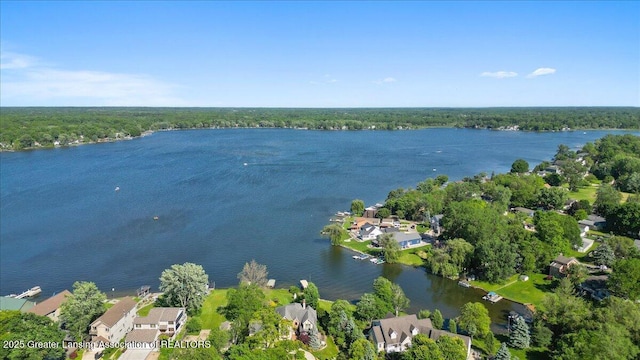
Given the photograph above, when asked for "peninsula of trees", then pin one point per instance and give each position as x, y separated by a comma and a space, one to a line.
35, 127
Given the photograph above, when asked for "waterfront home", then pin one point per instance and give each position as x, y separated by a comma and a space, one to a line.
560, 265
394, 334
51, 307
360, 221
304, 317
407, 240
370, 212
160, 321
11, 303
369, 232
115, 323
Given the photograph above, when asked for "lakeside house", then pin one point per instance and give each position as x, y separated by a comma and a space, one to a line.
369, 232
594, 222
394, 334
51, 307
560, 265
115, 323
160, 321
407, 240
360, 221
304, 317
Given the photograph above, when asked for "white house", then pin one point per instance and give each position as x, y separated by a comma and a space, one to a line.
115, 323
160, 321
369, 232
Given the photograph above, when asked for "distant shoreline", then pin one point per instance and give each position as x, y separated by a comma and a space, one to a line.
151, 132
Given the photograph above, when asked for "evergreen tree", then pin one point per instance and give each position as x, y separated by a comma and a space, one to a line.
436, 319
453, 327
503, 353
314, 339
492, 343
520, 337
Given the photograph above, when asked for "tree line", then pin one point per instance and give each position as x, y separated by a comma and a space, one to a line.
34, 127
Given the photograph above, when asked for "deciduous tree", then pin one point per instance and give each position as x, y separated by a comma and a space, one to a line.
390, 248
520, 166
357, 207
86, 305
254, 273
625, 279
334, 232
185, 285
475, 314
399, 300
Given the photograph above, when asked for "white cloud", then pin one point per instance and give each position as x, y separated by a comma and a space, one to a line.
499, 74
9, 60
386, 80
28, 83
542, 71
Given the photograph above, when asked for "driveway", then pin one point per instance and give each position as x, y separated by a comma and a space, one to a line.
135, 354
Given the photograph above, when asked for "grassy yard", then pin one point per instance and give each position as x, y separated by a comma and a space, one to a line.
407, 257
144, 311
329, 352
525, 292
209, 316
585, 193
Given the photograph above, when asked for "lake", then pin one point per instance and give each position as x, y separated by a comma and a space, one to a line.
224, 197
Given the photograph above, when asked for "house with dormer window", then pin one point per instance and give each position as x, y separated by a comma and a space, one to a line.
394, 334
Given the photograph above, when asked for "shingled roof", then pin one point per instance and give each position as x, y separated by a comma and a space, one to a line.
51, 304
116, 312
295, 311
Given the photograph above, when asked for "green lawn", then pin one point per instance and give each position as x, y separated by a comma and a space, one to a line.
525, 292
144, 311
407, 257
329, 352
585, 193
278, 297
209, 316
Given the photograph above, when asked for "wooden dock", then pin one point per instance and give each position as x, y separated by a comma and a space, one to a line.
271, 283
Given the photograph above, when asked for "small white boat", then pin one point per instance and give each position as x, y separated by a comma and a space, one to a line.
117, 188
434, 169
245, 164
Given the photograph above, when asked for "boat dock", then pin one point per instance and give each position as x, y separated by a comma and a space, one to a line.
30, 293
304, 284
271, 283
492, 297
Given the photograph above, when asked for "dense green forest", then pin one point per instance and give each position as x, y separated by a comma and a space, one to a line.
33, 127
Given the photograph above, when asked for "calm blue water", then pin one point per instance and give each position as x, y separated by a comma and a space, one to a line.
62, 221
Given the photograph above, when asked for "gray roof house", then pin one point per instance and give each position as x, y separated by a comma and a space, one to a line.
407, 239
560, 265
160, 321
304, 317
395, 334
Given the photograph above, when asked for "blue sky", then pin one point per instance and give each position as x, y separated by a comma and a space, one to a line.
320, 54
